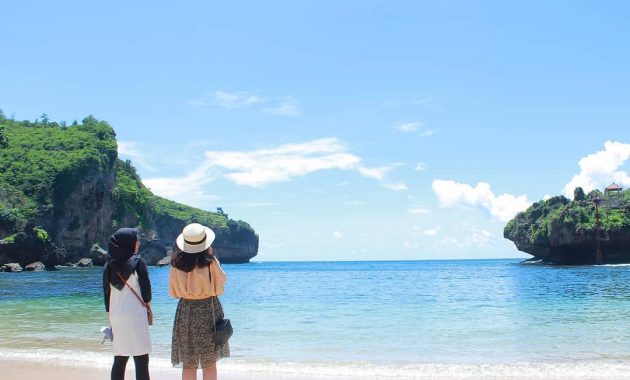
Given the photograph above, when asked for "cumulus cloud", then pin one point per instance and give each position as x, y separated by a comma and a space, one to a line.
503, 207
337, 234
599, 169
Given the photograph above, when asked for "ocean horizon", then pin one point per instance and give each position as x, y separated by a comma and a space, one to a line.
481, 317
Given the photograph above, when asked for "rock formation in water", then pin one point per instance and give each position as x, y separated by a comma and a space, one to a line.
63, 191
563, 231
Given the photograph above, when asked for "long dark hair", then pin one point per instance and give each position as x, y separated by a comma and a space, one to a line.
188, 261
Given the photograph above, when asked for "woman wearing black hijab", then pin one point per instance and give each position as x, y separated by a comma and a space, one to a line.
125, 270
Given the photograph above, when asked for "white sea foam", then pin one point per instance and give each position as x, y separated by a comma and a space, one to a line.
619, 369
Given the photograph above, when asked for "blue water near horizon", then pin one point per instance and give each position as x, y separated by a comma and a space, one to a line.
451, 312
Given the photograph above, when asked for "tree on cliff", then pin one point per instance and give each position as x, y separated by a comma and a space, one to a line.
562, 231
4, 141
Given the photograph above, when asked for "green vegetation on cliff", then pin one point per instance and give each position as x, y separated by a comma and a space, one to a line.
132, 197
562, 230
40, 161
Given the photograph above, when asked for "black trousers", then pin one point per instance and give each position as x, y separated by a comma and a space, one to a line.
142, 367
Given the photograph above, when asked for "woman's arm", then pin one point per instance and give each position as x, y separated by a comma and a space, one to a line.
106, 287
143, 279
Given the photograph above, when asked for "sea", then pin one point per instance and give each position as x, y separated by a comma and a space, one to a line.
382, 319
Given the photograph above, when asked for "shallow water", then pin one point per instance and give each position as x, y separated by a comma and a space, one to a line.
387, 316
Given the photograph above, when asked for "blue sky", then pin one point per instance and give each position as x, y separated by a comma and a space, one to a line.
350, 130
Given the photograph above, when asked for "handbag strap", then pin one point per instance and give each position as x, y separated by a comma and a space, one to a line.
134, 293
214, 321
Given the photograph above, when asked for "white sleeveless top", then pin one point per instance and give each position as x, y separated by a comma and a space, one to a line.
128, 318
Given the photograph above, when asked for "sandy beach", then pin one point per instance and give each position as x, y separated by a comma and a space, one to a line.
27, 370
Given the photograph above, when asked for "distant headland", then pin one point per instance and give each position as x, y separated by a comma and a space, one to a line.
63, 191
592, 228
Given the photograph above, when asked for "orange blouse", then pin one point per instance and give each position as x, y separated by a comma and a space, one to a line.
196, 284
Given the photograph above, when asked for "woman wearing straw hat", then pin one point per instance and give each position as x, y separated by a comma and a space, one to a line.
127, 293
197, 279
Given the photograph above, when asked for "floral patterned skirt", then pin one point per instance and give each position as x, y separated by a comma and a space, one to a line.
192, 344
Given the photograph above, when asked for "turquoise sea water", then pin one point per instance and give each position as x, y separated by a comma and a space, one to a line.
398, 317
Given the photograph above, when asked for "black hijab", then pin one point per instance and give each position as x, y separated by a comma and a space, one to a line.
120, 256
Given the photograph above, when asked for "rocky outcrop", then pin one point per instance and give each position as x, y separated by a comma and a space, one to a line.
30, 246
84, 263
152, 251
35, 267
11, 267
83, 216
98, 255
83, 193
560, 231
164, 262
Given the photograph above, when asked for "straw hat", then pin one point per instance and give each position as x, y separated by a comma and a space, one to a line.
195, 238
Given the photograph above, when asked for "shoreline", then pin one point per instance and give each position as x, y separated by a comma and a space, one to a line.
27, 370
75, 365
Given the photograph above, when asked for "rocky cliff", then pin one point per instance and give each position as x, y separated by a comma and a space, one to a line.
63, 191
563, 231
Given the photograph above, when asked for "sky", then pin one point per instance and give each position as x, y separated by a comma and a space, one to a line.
341, 130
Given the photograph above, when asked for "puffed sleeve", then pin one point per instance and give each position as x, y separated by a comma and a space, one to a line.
219, 277
173, 288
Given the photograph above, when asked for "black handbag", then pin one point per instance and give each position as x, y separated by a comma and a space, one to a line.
223, 327
222, 331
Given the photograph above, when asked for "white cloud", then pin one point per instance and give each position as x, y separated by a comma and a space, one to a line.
225, 99
473, 238
398, 186
427, 132
379, 172
130, 149
421, 166
260, 167
337, 234
418, 211
415, 127
283, 106
503, 207
432, 231
408, 127
188, 189
599, 169
288, 107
